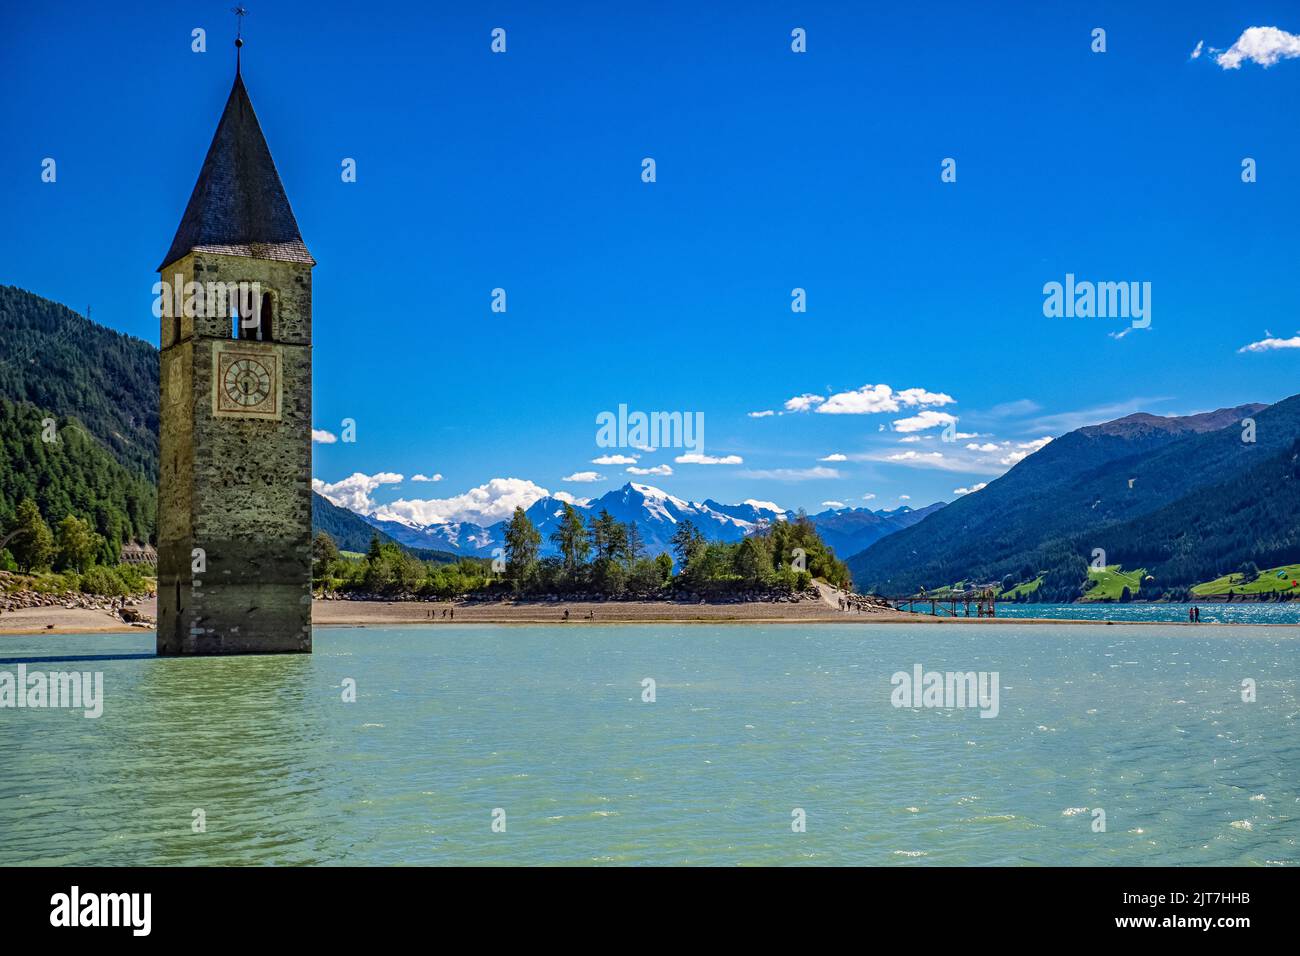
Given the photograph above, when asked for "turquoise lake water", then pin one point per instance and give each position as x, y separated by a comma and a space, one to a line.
750, 723
1246, 612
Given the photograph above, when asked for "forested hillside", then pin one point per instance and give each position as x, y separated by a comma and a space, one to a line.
1254, 518
1185, 498
70, 474
54, 359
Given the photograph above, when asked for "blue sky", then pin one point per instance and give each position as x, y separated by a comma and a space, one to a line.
775, 171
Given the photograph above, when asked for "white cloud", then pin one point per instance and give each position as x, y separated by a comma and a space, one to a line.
1200, 45
321, 437
869, 496
958, 462
987, 446
919, 396
426, 478
904, 497
694, 458
656, 470
1270, 343
867, 400
801, 403
909, 439
923, 420
615, 460
915, 456
766, 413
835, 457
971, 490
1027, 448
354, 491
583, 476
568, 498
834, 504
792, 474
870, 399
1262, 45
484, 505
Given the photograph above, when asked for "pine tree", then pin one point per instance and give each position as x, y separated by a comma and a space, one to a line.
75, 545
686, 541
324, 552
634, 543
752, 562
602, 534
522, 545
32, 545
571, 538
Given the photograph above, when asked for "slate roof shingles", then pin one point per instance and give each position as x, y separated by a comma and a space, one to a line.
239, 206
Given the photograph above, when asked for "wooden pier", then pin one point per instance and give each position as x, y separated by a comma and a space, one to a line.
984, 602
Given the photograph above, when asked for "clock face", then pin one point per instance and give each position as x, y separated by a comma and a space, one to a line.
247, 382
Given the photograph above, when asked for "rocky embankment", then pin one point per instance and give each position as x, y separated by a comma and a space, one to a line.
14, 597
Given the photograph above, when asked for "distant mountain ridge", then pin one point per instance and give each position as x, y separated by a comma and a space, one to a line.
1143, 423
1151, 492
656, 514
850, 530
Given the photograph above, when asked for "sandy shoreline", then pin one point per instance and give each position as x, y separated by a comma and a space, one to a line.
59, 620
361, 613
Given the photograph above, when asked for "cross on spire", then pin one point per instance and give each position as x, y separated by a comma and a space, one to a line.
239, 13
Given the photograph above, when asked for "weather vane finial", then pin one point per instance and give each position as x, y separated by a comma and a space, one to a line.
239, 13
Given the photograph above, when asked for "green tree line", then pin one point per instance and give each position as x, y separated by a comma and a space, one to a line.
386, 568
72, 557
607, 556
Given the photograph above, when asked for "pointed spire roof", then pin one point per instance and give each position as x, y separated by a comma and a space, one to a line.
238, 206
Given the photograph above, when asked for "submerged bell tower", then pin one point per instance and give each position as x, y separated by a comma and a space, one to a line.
234, 493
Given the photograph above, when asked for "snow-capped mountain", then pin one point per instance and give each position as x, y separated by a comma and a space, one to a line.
459, 537
751, 511
657, 514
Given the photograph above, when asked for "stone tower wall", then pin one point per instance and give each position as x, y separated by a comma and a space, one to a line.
238, 489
